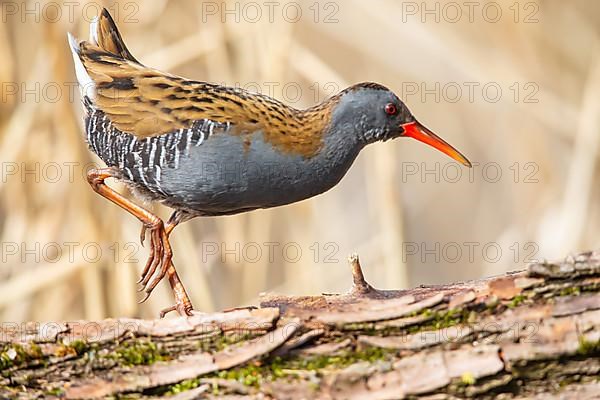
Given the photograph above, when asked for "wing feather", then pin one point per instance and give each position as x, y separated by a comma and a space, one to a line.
146, 102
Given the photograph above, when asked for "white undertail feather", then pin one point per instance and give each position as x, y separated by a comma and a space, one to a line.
105, 35
86, 84
94, 30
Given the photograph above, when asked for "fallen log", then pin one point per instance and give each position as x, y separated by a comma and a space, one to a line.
524, 334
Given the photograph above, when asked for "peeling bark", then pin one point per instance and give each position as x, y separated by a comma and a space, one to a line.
521, 335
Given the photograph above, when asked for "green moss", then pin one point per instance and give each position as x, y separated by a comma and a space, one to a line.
35, 350
15, 354
450, 318
55, 392
516, 301
432, 320
79, 346
8, 357
359, 326
587, 347
183, 386
467, 379
216, 391
570, 291
250, 374
346, 358
444, 319
220, 342
492, 302
139, 353
253, 374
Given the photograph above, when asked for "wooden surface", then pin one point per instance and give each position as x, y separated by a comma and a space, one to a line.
521, 335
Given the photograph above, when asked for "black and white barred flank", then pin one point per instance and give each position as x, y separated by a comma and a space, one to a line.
142, 160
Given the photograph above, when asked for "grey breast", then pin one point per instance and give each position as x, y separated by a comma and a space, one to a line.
207, 170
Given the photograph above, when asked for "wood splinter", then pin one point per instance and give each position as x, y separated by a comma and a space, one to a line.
360, 287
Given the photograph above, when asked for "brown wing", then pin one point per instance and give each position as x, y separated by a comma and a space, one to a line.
146, 102
104, 33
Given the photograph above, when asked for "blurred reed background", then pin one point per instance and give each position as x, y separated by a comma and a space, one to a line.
414, 216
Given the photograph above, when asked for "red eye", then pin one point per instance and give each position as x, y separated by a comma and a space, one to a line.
390, 109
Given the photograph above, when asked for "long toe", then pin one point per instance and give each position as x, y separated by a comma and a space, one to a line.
184, 310
143, 235
156, 256
167, 310
165, 263
146, 297
147, 267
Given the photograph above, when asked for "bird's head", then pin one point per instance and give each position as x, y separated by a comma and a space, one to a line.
374, 113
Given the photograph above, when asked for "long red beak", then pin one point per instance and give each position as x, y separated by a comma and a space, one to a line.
418, 131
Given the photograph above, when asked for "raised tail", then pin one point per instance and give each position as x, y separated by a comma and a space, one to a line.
105, 34
135, 99
96, 58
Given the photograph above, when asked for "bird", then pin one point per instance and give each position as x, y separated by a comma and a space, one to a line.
204, 149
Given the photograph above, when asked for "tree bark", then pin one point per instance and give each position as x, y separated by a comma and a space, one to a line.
525, 334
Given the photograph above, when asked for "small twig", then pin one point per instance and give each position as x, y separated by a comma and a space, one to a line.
360, 286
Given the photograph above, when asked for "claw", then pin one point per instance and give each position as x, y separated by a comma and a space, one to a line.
164, 263
160, 235
156, 249
159, 265
167, 310
143, 235
148, 269
146, 297
158, 261
147, 266
181, 309
146, 278
157, 279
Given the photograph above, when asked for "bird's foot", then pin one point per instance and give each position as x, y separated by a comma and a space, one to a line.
182, 309
183, 304
159, 260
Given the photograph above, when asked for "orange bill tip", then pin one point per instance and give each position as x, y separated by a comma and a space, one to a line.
418, 131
